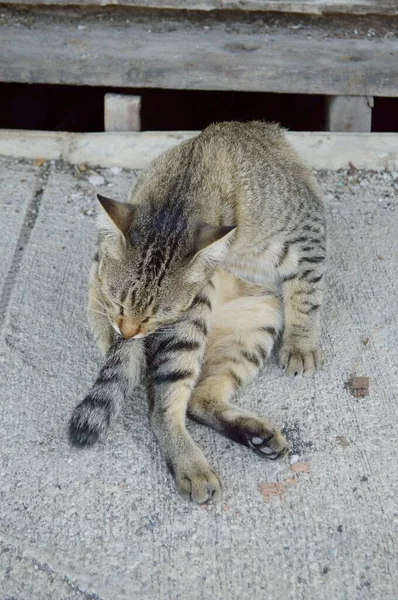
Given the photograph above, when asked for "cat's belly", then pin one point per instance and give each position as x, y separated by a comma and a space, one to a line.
269, 267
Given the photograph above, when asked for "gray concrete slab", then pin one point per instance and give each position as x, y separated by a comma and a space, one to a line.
107, 523
18, 188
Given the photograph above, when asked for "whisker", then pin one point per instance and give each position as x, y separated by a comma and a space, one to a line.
98, 311
95, 300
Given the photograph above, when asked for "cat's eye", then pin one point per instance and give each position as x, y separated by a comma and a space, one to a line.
145, 320
121, 311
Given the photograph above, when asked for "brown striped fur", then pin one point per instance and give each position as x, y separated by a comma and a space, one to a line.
218, 251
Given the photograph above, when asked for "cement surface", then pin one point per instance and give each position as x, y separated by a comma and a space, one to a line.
107, 523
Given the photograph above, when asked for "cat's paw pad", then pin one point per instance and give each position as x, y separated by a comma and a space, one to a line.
89, 422
199, 482
273, 446
295, 361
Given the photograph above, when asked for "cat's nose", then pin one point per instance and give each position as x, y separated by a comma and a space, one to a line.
127, 328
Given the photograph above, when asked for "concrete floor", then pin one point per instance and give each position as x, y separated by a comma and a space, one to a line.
107, 523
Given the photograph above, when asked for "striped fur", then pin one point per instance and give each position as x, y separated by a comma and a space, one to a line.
219, 251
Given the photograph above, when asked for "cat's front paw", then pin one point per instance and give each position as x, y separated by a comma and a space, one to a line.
297, 361
89, 422
197, 480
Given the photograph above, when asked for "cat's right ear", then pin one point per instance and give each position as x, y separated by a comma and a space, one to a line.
115, 215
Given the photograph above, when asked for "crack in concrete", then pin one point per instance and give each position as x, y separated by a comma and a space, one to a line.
45, 568
31, 215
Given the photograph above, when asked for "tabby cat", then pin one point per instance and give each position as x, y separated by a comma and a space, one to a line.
219, 250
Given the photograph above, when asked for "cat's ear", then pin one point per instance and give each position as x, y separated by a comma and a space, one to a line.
120, 215
211, 242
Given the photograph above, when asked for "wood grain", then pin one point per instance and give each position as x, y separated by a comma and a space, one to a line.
183, 54
353, 7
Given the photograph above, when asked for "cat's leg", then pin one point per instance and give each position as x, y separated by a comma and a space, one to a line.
121, 372
241, 339
174, 363
302, 296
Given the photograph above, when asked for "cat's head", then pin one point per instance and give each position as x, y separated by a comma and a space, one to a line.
152, 263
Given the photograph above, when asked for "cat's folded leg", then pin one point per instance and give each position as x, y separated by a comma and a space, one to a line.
174, 363
240, 341
299, 353
121, 372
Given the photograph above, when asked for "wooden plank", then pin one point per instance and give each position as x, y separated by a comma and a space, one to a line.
122, 112
349, 113
142, 52
321, 150
317, 7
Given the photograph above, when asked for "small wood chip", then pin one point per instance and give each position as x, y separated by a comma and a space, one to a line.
359, 386
274, 488
39, 162
300, 467
291, 481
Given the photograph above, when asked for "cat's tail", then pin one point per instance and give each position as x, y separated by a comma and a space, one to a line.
120, 373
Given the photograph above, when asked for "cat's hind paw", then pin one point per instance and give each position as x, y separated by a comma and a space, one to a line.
89, 422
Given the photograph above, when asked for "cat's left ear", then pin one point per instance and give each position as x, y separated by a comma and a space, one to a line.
120, 214
212, 242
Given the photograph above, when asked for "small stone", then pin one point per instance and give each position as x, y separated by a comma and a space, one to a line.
96, 180
293, 459
81, 27
116, 170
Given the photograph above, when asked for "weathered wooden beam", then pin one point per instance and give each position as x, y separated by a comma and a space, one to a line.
66, 48
316, 7
319, 149
349, 113
122, 112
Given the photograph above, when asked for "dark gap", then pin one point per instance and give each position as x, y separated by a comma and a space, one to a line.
385, 114
70, 108
81, 108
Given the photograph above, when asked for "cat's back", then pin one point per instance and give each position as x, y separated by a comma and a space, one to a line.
257, 148
249, 164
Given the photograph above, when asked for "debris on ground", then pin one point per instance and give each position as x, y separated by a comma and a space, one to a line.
96, 180
39, 162
81, 168
294, 458
342, 441
272, 488
300, 467
359, 386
